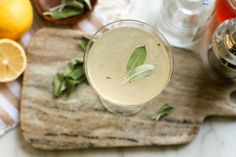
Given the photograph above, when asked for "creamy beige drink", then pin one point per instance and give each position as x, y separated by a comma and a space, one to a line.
107, 60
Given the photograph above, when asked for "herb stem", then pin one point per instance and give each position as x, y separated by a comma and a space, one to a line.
163, 111
125, 81
47, 13
60, 7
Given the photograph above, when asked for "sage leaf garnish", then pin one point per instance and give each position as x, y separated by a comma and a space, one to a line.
66, 1
67, 80
163, 111
71, 84
137, 58
76, 74
59, 86
64, 13
73, 74
68, 8
108, 77
73, 3
58, 7
136, 69
77, 62
84, 43
88, 4
140, 72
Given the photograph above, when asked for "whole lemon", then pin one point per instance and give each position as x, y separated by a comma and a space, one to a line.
16, 17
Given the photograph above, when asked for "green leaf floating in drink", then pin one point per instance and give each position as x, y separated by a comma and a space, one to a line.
137, 58
140, 72
136, 69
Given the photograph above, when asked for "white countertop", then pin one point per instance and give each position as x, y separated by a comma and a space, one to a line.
217, 137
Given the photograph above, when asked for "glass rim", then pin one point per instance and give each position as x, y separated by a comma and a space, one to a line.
157, 33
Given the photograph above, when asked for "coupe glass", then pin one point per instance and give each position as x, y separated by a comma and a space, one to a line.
117, 107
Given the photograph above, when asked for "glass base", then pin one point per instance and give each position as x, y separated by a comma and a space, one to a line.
121, 110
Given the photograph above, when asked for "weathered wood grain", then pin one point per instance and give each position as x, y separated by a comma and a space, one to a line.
80, 121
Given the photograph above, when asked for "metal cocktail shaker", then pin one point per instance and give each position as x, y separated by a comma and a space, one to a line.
222, 51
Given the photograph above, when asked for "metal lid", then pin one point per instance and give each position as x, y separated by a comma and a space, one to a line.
225, 38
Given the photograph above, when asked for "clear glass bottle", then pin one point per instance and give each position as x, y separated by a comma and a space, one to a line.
222, 50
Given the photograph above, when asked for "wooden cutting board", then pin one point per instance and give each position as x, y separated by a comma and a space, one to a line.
80, 121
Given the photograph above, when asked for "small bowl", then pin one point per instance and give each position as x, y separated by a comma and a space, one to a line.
45, 5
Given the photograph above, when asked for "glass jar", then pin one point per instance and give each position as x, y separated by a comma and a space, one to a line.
183, 22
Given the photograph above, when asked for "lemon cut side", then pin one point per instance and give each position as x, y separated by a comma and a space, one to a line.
12, 60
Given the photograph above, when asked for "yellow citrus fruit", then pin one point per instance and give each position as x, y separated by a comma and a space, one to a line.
16, 17
12, 60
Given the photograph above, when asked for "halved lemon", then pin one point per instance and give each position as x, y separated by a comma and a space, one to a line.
12, 60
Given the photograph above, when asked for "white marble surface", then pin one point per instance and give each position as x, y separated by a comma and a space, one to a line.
217, 137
